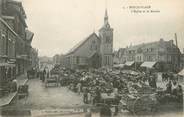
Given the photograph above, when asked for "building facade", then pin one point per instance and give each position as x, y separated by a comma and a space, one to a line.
166, 53
7, 51
34, 58
45, 62
84, 54
182, 60
58, 59
119, 56
94, 51
15, 38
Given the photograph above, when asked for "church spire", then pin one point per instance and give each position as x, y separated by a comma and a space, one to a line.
106, 22
106, 15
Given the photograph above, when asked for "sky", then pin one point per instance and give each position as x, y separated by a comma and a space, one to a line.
58, 25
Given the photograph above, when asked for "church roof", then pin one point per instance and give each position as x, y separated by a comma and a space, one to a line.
82, 42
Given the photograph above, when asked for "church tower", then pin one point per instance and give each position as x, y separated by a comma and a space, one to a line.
106, 46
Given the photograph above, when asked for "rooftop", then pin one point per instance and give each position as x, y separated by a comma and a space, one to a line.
80, 43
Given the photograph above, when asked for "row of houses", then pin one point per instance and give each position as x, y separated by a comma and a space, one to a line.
16, 52
165, 53
47, 62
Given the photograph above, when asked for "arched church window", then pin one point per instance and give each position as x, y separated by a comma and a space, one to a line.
93, 42
91, 48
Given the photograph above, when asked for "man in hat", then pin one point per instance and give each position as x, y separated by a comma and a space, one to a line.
85, 95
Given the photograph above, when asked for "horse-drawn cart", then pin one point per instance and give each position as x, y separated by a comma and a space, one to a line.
22, 91
53, 79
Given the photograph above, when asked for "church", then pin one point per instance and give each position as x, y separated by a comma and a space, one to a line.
95, 51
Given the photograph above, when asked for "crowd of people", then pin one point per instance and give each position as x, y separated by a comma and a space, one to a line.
173, 92
94, 84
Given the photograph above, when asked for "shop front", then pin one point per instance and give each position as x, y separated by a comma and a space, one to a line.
7, 71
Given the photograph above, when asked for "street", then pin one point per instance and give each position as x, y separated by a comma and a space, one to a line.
46, 98
53, 101
50, 101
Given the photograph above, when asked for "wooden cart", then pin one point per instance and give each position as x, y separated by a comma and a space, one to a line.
22, 91
53, 79
148, 104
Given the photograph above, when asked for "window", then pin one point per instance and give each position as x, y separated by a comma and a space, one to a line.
4, 44
95, 47
91, 48
149, 58
168, 49
108, 39
93, 42
77, 60
107, 60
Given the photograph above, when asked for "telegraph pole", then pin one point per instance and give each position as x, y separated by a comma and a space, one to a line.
178, 52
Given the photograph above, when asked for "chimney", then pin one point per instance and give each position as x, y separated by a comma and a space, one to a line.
171, 42
175, 36
161, 39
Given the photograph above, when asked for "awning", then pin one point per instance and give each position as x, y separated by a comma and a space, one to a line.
148, 64
129, 72
7, 65
116, 71
129, 63
119, 65
105, 96
181, 72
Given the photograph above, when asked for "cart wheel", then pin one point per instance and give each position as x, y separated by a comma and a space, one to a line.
145, 105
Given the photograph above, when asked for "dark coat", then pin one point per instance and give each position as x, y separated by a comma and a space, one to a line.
105, 111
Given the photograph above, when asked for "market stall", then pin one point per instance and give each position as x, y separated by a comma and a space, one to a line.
181, 77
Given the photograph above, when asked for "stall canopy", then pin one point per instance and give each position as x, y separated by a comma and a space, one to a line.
129, 72
7, 65
181, 72
148, 64
119, 65
129, 63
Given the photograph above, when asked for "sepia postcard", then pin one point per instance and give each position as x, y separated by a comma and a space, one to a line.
91, 58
